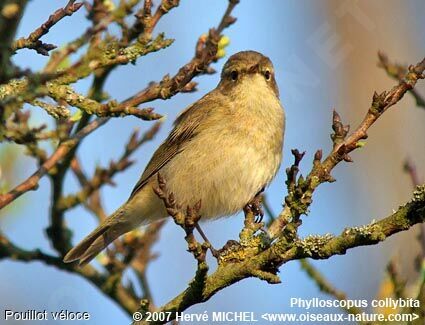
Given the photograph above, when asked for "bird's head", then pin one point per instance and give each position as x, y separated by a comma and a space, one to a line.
248, 69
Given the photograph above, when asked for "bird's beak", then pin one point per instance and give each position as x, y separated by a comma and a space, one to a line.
254, 69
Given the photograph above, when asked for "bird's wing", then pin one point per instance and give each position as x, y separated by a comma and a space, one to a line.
185, 128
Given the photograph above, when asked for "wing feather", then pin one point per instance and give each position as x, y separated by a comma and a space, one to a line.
185, 128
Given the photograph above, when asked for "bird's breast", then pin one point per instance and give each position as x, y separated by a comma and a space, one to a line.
227, 163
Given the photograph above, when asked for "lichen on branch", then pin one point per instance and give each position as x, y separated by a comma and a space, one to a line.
261, 256
96, 52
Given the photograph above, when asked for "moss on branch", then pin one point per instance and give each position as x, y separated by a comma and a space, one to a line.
91, 106
264, 265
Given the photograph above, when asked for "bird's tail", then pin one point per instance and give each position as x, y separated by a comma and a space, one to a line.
110, 229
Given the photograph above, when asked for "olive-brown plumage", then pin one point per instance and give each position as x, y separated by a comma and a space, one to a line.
223, 150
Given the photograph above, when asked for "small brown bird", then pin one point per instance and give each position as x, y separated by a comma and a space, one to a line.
223, 150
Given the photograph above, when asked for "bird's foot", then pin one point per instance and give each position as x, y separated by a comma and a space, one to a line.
255, 207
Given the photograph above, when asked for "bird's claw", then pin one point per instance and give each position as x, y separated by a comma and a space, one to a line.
259, 217
255, 206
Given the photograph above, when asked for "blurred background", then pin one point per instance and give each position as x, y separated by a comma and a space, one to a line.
325, 55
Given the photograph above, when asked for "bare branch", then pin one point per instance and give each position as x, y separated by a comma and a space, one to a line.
10, 17
91, 106
399, 284
114, 289
397, 71
343, 145
325, 286
31, 183
60, 55
206, 51
186, 220
316, 247
33, 40
410, 168
104, 175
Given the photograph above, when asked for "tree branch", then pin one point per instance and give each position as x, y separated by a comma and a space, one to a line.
91, 106
101, 57
104, 175
397, 71
299, 198
110, 286
206, 51
33, 40
316, 247
258, 256
31, 183
10, 17
166, 89
325, 286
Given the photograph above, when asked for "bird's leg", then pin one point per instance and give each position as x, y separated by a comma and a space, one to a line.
255, 206
214, 252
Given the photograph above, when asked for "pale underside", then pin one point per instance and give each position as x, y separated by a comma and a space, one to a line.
223, 150
221, 159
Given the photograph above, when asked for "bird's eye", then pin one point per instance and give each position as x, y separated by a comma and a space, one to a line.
234, 75
267, 75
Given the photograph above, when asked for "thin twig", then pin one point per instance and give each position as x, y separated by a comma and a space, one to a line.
60, 55
397, 71
325, 286
344, 144
398, 283
115, 290
206, 51
105, 175
316, 247
410, 168
33, 40
31, 183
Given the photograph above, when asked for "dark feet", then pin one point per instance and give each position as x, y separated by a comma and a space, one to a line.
255, 206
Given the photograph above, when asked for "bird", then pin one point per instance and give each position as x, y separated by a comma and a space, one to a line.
222, 151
